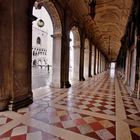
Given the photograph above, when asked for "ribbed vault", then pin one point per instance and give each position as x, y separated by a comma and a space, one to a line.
110, 22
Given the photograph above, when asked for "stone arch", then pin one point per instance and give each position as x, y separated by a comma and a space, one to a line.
38, 40
54, 15
76, 35
76, 52
57, 34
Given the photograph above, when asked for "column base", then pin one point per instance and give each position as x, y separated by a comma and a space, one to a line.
20, 102
90, 75
82, 79
4, 104
62, 85
67, 84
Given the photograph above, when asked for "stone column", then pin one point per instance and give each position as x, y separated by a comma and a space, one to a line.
65, 51
101, 63
20, 48
90, 60
82, 40
104, 64
65, 61
137, 79
92, 71
76, 64
56, 65
6, 53
22, 94
127, 68
95, 61
98, 62
86, 62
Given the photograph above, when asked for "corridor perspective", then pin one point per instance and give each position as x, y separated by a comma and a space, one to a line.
99, 108
70, 70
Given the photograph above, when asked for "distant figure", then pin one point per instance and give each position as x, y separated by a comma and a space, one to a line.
34, 63
48, 68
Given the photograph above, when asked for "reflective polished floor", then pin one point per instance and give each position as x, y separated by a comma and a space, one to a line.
41, 77
99, 108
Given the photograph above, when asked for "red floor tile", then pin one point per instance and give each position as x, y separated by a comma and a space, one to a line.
96, 126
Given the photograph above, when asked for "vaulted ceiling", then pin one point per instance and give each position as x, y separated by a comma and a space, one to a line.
109, 24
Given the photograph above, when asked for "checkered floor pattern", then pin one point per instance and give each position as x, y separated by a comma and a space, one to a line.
83, 112
122, 89
4, 120
23, 132
97, 103
135, 132
83, 124
131, 110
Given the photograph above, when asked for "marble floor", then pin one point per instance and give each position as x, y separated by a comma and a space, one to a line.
41, 77
98, 108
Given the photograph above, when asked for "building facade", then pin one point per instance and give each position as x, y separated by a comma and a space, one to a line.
39, 48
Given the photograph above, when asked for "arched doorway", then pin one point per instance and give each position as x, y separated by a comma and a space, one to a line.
86, 58
47, 36
74, 55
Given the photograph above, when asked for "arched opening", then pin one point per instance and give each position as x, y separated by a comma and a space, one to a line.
86, 58
112, 69
46, 45
38, 40
42, 42
74, 55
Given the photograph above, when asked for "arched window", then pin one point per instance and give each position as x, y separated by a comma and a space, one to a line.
38, 41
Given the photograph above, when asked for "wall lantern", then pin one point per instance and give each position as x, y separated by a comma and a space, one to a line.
92, 5
40, 23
